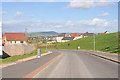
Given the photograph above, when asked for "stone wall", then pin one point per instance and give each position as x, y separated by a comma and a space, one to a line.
18, 49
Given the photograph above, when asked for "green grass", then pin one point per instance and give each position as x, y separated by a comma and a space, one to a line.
15, 58
104, 42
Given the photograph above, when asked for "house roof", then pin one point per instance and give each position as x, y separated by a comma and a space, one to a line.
89, 34
74, 34
101, 33
62, 35
82, 34
68, 38
2, 36
3, 39
15, 36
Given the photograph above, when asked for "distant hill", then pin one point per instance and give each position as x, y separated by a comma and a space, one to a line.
47, 33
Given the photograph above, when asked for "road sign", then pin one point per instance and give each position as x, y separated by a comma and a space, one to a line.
38, 53
78, 47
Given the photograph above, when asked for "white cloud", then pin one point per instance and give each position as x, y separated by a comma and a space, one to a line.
93, 25
104, 14
98, 22
18, 13
86, 4
0, 26
59, 26
3, 13
0, 23
69, 23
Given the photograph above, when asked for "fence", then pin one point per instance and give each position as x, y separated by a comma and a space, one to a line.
18, 49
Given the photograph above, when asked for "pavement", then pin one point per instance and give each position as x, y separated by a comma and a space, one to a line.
64, 64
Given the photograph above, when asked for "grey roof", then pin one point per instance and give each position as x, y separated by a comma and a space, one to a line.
62, 35
89, 34
68, 38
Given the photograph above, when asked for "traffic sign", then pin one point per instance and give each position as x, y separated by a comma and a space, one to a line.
78, 47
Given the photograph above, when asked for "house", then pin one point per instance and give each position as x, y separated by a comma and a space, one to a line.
65, 39
101, 33
76, 35
88, 34
60, 37
106, 32
82, 34
15, 38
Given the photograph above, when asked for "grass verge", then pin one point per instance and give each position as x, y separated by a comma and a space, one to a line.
15, 58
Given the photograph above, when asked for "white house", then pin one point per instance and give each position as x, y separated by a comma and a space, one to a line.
60, 37
76, 36
88, 34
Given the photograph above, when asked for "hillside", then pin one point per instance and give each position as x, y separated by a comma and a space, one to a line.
104, 42
47, 33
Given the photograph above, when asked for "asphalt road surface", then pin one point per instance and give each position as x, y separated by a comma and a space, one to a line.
72, 64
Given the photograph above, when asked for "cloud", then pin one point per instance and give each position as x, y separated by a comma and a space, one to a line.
86, 4
59, 26
104, 14
93, 25
3, 13
55, 0
18, 13
98, 22
0, 26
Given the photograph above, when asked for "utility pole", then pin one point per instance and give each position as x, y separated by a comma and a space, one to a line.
26, 30
26, 33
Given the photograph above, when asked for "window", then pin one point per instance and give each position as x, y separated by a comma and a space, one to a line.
15, 42
21, 41
4, 40
10, 41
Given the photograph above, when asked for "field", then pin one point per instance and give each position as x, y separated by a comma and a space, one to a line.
103, 42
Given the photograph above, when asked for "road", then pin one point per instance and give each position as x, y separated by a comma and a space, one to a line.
71, 64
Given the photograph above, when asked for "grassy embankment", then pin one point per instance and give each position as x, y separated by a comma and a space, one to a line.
15, 58
104, 42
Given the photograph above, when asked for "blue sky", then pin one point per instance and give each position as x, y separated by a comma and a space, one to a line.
59, 16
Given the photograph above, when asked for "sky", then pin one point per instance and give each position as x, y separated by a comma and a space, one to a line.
61, 17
